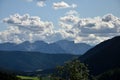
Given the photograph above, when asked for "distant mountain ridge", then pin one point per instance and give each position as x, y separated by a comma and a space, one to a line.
103, 57
75, 48
62, 46
31, 61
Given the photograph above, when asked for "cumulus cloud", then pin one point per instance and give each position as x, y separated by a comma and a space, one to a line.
92, 30
72, 27
31, 23
69, 18
26, 27
62, 4
98, 25
108, 17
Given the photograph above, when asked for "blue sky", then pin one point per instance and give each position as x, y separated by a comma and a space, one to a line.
85, 9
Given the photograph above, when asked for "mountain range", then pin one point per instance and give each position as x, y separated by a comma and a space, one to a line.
101, 58
62, 46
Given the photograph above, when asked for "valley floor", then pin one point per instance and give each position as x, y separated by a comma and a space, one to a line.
32, 78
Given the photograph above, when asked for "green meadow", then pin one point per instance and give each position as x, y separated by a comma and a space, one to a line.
32, 78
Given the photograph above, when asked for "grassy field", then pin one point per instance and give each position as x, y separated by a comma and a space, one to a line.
32, 78
28, 78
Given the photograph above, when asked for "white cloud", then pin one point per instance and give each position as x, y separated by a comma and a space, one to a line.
109, 17
72, 27
65, 25
98, 25
41, 3
70, 19
62, 4
26, 27
72, 12
30, 23
90, 30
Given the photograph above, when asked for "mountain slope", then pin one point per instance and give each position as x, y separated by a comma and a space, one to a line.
63, 46
103, 57
75, 48
31, 61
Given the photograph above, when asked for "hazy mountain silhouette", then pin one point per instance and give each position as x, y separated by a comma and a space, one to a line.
71, 47
62, 46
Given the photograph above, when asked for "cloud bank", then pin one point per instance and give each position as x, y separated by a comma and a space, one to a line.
26, 27
91, 30
72, 27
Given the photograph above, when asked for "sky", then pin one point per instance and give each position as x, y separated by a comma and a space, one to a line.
82, 21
